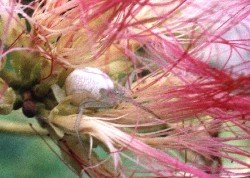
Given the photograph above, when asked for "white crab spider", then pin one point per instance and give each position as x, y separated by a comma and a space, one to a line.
91, 88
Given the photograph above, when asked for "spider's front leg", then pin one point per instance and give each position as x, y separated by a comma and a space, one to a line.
88, 104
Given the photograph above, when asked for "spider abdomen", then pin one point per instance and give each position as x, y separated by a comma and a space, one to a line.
86, 83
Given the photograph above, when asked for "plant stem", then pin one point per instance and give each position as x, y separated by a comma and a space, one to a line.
20, 129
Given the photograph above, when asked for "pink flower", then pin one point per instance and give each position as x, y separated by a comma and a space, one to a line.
187, 73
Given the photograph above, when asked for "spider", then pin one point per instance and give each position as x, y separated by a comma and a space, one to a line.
91, 88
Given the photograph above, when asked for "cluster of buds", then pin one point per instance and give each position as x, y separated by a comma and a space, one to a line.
160, 87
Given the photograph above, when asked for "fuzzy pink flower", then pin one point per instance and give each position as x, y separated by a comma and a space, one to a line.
187, 76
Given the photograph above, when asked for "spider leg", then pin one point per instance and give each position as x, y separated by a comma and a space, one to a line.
91, 103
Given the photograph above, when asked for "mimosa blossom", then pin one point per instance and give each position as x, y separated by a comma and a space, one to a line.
184, 66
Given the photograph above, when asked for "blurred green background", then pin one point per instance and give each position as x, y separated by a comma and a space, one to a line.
28, 156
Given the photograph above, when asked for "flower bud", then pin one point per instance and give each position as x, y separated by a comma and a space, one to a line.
7, 98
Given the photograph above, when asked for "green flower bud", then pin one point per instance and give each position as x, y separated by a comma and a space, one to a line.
7, 98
